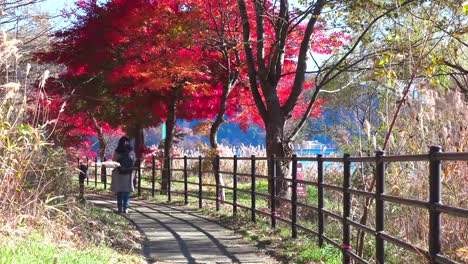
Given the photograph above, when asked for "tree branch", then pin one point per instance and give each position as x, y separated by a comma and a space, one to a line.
302, 60
250, 60
325, 79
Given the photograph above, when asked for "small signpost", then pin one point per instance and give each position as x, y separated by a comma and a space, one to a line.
301, 188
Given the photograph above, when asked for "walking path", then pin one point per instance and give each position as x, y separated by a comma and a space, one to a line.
181, 235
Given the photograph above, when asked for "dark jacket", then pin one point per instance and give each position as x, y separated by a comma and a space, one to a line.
122, 182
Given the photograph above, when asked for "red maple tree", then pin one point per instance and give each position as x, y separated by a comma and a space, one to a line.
142, 55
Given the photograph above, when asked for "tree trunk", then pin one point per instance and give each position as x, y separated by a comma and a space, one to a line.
275, 145
139, 142
102, 148
214, 131
214, 146
168, 142
139, 136
102, 153
214, 136
265, 72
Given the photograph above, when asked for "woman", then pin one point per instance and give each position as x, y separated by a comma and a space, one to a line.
122, 182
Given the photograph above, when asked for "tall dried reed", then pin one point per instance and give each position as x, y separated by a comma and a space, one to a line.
32, 171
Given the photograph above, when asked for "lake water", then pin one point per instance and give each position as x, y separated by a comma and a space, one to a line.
326, 152
315, 151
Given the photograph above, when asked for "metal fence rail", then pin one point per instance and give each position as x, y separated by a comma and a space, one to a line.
433, 205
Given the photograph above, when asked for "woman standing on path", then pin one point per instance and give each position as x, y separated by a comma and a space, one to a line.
122, 182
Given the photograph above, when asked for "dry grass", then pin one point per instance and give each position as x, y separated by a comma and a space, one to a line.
32, 171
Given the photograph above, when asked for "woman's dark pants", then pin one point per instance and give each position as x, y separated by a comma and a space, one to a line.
123, 201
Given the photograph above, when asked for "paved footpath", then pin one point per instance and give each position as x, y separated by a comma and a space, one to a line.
180, 235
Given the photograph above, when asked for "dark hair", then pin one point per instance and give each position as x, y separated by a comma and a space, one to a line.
121, 147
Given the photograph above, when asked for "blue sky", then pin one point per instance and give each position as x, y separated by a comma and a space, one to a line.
56, 5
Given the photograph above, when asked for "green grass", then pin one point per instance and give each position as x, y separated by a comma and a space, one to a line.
103, 246
35, 249
312, 195
309, 251
99, 186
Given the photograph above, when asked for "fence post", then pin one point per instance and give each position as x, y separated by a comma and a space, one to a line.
320, 198
199, 181
216, 171
87, 177
169, 179
434, 200
95, 174
379, 207
80, 179
273, 191
105, 176
79, 168
153, 175
294, 197
139, 177
234, 187
185, 181
346, 207
252, 188
162, 164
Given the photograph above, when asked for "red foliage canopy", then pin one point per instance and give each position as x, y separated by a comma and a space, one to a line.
128, 58
145, 51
